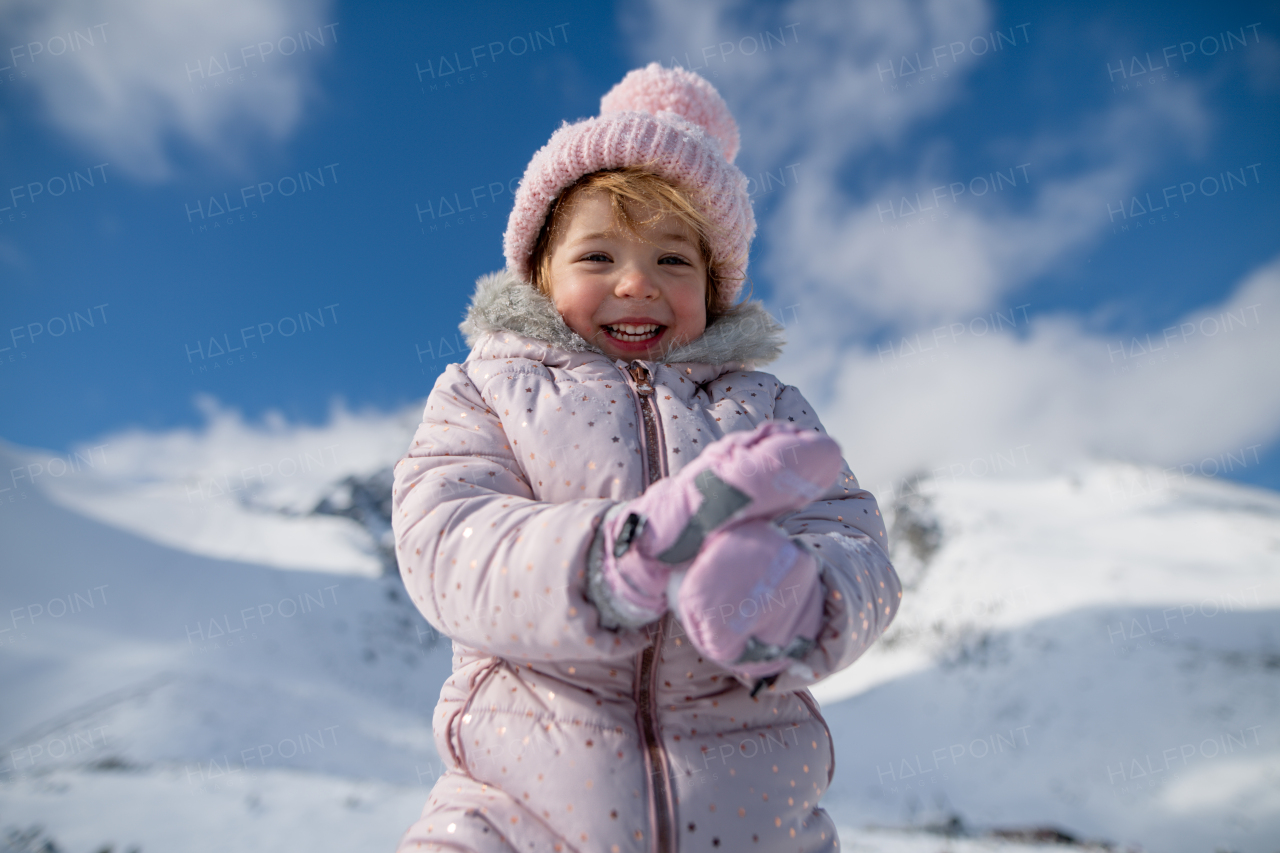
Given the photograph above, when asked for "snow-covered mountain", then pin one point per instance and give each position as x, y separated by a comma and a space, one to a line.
272, 494
201, 651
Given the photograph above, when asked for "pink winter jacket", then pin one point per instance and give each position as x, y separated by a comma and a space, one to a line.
561, 729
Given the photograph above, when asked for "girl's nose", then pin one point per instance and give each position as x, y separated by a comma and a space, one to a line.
635, 283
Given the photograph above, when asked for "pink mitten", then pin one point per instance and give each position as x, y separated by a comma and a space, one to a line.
761, 473
752, 600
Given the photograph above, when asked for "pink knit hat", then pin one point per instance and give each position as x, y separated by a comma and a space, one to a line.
674, 121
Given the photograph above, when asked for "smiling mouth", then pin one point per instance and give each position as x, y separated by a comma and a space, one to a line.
634, 334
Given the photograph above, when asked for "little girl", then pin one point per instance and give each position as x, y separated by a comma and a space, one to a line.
643, 548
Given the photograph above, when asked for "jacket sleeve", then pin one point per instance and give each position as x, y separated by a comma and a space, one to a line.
844, 529
486, 563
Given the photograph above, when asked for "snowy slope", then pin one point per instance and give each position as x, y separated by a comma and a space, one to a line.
232, 490
1080, 654
160, 698
1062, 644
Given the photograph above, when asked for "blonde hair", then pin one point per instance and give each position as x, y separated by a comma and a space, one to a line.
644, 188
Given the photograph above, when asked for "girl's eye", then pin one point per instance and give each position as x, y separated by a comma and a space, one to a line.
675, 259
596, 256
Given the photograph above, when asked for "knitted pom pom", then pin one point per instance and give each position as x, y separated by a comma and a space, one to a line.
654, 88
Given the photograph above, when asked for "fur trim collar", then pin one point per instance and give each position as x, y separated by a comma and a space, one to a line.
746, 334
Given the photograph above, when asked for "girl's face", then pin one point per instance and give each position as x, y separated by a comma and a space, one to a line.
628, 297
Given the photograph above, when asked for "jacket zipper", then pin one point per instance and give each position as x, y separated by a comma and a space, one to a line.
664, 836
645, 390
657, 759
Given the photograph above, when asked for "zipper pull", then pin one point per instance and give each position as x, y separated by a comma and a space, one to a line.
641, 377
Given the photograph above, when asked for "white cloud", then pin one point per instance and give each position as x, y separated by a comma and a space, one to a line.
820, 90
879, 261
1054, 392
819, 101
1061, 392
133, 92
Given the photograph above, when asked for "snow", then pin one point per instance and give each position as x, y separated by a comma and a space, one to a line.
268, 810
145, 684
1079, 655
1095, 651
205, 492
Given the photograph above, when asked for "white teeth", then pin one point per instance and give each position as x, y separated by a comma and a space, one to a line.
629, 331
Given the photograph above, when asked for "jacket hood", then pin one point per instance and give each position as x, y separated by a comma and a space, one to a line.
746, 334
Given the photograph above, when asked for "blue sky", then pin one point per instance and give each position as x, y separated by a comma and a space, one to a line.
342, 134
